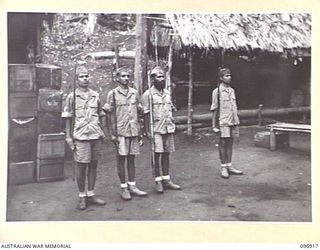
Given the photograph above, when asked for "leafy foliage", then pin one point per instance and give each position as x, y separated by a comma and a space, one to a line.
69, 40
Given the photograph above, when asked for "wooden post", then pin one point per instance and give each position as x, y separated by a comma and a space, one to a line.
156, 43
222, 57
169, 82
116, 52
140, 64
190, 94
260, 114
273, 144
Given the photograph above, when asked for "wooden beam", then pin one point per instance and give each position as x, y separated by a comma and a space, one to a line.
246, 113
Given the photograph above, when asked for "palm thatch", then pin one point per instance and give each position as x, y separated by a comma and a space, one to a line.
270, 32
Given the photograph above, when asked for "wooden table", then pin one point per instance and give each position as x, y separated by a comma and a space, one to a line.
287, 127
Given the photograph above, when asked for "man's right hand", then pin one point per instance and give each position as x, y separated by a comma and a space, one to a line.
115, 140
148, 135
70, 143
215, 130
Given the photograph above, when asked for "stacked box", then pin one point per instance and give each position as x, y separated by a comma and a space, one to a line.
50, 157
22, 104
22, 91
50, 169
49, 122
22, 136
262, 139
21, 78
21, 172
49, 111
49, 100
48, 76
22, 139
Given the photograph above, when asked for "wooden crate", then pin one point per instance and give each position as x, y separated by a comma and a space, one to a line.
50, 169
48, 76
22, 104
262, 139
49, 100
49, 122
22, 128
22, 138
21, 172
51, 146
21, 78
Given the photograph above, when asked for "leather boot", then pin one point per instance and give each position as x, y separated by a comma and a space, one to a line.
224, 173
95, 201
136, 191
233, 170
168, 184
125, 194
158, 187
82, 205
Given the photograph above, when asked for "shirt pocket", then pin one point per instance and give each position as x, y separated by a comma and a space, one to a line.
80, 111
93, 109
157, 108
168, 106
225, 102
234, 102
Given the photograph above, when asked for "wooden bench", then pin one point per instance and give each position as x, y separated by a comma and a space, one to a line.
286, 127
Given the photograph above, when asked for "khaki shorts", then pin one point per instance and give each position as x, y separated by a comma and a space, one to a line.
87, 151
164, 143
229, 131
128, 145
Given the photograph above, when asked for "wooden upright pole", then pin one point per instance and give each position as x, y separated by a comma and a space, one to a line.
140, 65
222, 57
116, 51
169, 81
156, 43
190, 94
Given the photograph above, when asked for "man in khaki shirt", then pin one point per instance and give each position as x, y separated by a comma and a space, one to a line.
225, 120
122, 109
85, 137
163, 126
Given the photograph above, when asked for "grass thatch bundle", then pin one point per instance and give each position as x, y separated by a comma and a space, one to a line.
271, 32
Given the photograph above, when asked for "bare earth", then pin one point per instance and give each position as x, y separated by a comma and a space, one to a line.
276, 186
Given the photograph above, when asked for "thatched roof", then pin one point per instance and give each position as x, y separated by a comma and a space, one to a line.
271, 32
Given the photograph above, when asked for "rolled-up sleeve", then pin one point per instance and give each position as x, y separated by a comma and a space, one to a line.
109, 105
68, 110
214, 104
145, 102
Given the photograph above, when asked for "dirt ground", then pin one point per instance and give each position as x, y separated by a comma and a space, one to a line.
276, 186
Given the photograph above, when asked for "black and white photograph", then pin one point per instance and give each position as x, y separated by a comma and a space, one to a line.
159, 117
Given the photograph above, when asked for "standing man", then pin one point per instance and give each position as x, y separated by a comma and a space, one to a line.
85, 137
225, 120
158, 99
123, 104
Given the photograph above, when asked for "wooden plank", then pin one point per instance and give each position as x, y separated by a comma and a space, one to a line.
51, 146
291, 127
